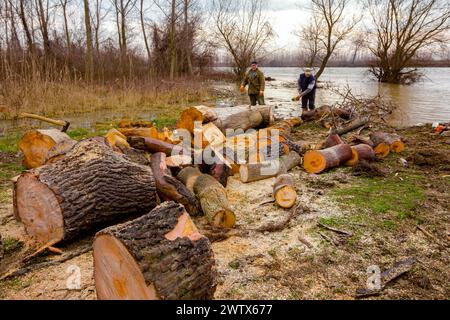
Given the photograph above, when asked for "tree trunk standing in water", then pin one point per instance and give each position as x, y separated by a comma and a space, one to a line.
90, 50
401, 29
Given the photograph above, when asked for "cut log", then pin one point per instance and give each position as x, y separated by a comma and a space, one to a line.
159, 256
284, 191
220, 172
166, 135
169, 188
179, 161
269, 169
324, 112
394, 141
36, 145
240, 117
212, 195
154, 146
353, 125
357, 139
361, 152
332, 140
126, 123
318, 161
90, 187
116, 139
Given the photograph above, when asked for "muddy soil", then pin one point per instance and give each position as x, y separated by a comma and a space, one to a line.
304, 260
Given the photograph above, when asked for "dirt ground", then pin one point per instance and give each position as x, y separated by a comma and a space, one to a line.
402, 212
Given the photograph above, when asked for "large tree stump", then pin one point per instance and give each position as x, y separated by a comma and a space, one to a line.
212, 195
361, 152
284, 191
259, 171
90, 187
170, 188
394, 141
317, 161
158, 256
38, 146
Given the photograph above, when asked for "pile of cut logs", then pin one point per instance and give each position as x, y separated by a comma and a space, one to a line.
144, 185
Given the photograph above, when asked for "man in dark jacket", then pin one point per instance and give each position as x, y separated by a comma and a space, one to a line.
307, 89
256, 85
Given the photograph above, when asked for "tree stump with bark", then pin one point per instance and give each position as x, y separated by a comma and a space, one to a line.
212, 196
317, 161
284, 191
38, 146
160, 255
90, 187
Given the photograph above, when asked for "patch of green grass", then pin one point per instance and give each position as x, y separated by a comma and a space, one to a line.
11, 245
83, 133
15, 284
9, 170
9, 143
384, 196
165, 122
235, 264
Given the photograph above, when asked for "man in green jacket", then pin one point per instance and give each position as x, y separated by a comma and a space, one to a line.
256, 85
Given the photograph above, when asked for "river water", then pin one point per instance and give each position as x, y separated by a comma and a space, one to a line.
426, 101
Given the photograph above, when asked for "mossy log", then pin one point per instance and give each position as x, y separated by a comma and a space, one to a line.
90, 187
159, 256
39, 146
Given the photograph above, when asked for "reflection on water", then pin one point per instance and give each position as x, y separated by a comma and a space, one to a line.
424, 102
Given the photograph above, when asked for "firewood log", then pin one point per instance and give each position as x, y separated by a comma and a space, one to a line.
269, 169
154, 146
212, 195
394, 141
166, 135
352, 125
90, 187
317, 161
332, 140
36, 145
361, 152
284, 191
169, 188
159, 256
116, 139
240, 117
179, 161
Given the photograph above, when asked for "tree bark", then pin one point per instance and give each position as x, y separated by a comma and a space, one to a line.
158, 256
89, 43
212, 195
321, 160
154, 146
91, 186
269, 169
361, 152
353, 125
171, 189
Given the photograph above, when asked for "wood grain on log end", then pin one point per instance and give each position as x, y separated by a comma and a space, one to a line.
158, 256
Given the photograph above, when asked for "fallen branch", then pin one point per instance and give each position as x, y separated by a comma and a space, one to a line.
346, 233
282, 224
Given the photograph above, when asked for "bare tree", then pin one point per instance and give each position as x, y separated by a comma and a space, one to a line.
142, 11
400, 29
64, 4
97, 16
243, 30
42, 11
310, 36
334, 25
123, 9
89, 45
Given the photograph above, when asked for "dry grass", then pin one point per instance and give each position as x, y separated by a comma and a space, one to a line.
71, 98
